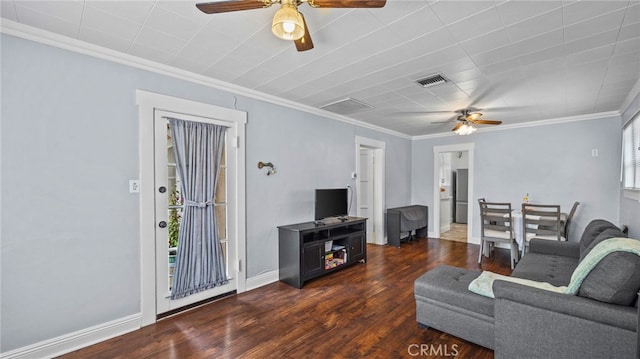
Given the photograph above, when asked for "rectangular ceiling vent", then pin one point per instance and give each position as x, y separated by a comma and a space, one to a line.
346, 106
432, 80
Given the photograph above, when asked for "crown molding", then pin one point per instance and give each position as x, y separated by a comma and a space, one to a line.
551, 121
635, 92
34, 34
31, 33
434, 135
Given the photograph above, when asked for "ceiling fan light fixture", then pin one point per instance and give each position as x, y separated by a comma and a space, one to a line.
287, 23
472, 116
465, 129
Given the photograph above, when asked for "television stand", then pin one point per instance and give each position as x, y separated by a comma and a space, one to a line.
309, 250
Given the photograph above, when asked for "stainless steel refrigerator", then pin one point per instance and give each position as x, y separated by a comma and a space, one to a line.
460, 194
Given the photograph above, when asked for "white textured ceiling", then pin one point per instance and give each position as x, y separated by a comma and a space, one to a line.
516, 61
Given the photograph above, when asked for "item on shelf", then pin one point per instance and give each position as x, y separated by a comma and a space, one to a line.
328, 246
333, 260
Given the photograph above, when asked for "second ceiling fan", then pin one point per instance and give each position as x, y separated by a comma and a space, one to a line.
466, 118
288, 22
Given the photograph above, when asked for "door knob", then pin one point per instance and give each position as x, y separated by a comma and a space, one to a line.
162, 189
162, 224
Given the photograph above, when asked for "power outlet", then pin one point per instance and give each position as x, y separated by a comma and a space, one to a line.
594, 152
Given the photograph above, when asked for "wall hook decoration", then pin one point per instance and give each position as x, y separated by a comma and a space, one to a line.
271, 170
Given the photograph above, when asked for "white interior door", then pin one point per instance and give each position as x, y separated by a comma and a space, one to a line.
446, 198
370, 186
168, 212
366, 199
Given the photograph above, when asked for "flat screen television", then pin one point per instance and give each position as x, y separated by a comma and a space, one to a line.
331, 202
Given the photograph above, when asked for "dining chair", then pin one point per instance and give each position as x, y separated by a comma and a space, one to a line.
496, 227
541, 221
565, 226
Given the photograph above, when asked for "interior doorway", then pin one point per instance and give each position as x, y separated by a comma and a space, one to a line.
454, 199
443, 175
370, 194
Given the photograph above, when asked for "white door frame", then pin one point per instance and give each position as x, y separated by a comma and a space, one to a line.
148, 102
379, 147
437, 150
163, 302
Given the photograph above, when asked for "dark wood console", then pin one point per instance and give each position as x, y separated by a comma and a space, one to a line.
308, 250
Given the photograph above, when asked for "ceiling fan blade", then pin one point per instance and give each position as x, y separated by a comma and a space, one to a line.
438, 122
503, 109
436, 115
304, 43
232, 5
347, 3
486, 122
457, 126
450, 119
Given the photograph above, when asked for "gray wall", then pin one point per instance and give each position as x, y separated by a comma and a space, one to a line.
553, 163
69, 145
629, 208
308, 152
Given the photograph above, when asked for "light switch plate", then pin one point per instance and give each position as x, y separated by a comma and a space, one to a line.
134, 186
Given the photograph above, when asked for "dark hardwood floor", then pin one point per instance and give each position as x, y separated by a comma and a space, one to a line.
366, 310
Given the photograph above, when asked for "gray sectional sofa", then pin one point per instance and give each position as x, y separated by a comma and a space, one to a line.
527, 322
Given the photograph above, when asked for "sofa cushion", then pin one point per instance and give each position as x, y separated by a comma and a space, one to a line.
605, 234
553, 269
447, 284
615, 279
591, 231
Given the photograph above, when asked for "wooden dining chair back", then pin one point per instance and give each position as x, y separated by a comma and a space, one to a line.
540, 221
565, 224
496, 226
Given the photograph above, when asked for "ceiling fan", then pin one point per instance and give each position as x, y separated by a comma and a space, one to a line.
467, 118
288, 22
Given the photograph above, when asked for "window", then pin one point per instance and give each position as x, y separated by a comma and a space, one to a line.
631, 154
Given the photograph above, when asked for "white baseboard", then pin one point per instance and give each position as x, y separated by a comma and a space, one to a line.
76, 340
262, 279
73, 341
473, 240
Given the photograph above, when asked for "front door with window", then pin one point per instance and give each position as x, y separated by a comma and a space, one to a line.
169, 211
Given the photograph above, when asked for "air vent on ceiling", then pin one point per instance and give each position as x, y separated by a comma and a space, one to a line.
432, 80
346, 106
